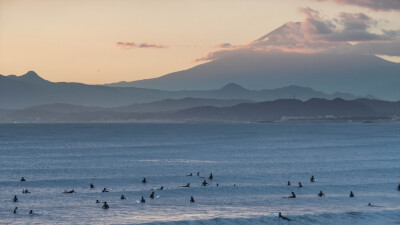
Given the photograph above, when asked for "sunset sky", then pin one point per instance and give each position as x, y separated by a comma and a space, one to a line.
102, 41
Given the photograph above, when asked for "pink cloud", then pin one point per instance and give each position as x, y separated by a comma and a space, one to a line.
130, 45
376, 5
316, 34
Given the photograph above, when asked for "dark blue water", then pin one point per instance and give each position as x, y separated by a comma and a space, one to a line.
258, 158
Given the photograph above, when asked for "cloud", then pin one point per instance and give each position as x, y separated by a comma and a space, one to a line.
225, 45
316, 34
130, 45
376, 5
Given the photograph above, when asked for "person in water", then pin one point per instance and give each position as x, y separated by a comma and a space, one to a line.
320, 194
187, 185
351, 194
198, 173
189, 175
217, 184
211, 176
142, 200
191, 199
91, 186
152, 195
104, 190
161, 188
144, 180
22, 179
15, 210
398, 187
312, 179
31, 212
300, 186
293, 195
105, 205
123, 197
69, 192
370, 205
25, 191
204, 183
15, 198
283, 217
97, 201
288, 183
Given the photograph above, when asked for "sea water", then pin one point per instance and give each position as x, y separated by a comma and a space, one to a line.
251, 163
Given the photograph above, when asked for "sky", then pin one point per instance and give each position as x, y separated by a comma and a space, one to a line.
98, 41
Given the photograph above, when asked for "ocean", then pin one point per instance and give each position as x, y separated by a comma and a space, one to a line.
250, 162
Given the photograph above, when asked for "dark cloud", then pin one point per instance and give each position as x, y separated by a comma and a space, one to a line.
130, 45
376, 5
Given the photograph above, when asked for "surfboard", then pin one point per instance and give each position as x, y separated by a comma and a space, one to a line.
157, 196
137, 201
275, 214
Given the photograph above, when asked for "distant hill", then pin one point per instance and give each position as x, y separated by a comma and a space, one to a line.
17, 92
178, 104
277, 110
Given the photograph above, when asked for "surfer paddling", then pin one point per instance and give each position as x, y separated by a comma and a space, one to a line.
186, 186
283, 217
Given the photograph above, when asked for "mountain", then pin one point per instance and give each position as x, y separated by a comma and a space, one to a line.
259, 65
277, 110
356, 74
29, 90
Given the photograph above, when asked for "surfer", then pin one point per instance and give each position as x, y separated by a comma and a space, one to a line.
198, 173
31, 212
97, 201
288, 183
351, 194
142, 200
283, 217
320, 194
69, 192
25, 191
22, 179
144, 180
217, 184
191, 199
300, 186
204, 183
189, 175
187, 185
293, 195
104, 190
211, 176
370, 205
398, 187
161, 188
152, 195
123, 197
312, 179
105, 205
15, 198
15, 210
91, 186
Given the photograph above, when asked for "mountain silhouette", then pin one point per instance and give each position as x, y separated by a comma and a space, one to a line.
31, 90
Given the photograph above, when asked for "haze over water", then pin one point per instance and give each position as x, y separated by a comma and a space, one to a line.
258, 158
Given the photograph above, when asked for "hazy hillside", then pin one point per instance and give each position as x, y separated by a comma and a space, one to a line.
277, 110
17, 92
